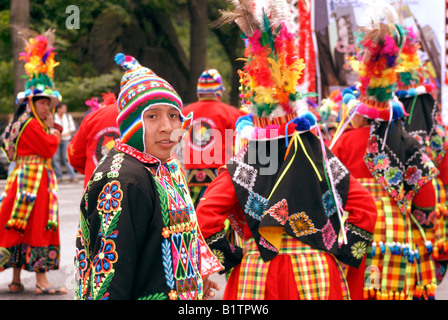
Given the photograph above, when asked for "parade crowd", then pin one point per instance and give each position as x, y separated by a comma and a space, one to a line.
290, 195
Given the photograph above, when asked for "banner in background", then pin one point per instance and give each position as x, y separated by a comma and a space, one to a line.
336, 23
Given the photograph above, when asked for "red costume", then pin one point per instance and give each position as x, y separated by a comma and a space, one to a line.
35, 148
350, 149
210, 149
93, 140
220, 202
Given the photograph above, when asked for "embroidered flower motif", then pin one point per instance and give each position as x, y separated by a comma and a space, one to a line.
219, 255
412, 175
393, 176
337, 169
245, 175
110, 197
381, 161
301, 224
15, 129
328, 235
106, 257
372, 145
436, 143
200, 176
279, 211
329, 202
166, 232
173, 167
81, 259
255, 205
419, 215
359, 249
172, 295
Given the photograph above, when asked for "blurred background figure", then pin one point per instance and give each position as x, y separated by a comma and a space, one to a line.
64, 119
210, 142
96, 136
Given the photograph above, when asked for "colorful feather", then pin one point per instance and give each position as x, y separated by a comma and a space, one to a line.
273, 68
39, 54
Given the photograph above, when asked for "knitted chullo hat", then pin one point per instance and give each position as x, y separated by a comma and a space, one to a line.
270, 79
210, 83
140, 89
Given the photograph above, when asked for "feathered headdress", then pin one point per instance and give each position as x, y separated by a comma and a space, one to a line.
379, 46
411, 74
39, 58
273, 68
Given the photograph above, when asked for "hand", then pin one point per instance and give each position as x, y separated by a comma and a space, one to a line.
208, 285
48, 121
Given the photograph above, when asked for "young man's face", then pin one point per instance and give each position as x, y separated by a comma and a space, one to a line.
160, 122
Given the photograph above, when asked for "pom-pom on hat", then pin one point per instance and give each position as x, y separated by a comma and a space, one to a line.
131, 66
39, 67
209, 84
141, 89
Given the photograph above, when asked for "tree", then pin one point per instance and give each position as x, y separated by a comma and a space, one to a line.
229, 36
19, 19
198, 44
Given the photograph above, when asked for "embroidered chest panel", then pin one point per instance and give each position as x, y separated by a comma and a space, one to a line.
180, 247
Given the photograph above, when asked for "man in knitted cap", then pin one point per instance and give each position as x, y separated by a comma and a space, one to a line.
210, 142
138, 235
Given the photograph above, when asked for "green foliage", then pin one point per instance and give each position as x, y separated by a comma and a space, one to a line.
6, 87
77, 78
76, 90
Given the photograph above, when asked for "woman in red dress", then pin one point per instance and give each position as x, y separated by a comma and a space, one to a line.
29, 232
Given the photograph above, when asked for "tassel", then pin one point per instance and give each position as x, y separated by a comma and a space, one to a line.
373, 248
365, 294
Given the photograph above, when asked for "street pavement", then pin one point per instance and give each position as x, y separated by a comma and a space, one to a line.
69, 198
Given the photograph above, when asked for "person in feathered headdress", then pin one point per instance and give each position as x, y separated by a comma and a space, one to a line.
29, 236
390, 164
138, 235
284, 192
424, 122
95, 137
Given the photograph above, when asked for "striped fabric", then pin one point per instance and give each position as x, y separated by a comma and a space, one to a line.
264, 122
28, 174
210, 82
398, 275
309, 265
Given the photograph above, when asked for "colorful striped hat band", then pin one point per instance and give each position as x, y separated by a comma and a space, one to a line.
137, 95
210, 83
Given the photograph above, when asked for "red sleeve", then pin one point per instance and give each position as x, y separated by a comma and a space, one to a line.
360, 225
443, 169
361, 206
218, 201
76, 151
34, 140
